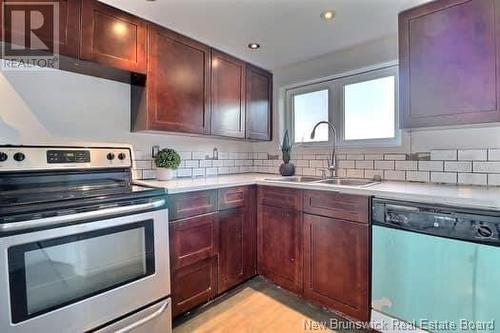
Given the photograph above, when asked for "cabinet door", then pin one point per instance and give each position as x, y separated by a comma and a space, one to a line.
178, 83
279, 244
259, 97
336, 265
112, 37
449, 63
69, 24
228, 96
194, 285
193, 239
233, 232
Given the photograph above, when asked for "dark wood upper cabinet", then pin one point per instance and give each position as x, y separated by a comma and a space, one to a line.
113, 37
228, 96
279, 246
259, 95
69, 24
337, 265
450, 63
176, 96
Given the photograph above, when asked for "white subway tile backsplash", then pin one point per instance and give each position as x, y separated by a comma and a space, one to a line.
494, 154
458, 166
418, 176
198, 155
395, 175
374, 157
371, 174
406, 165
472, 179
318, 163
450, 166
355, 157
211, 171
486, 167
384, 165
473, 155
148, 174
430, 165
205, 163
494, 179
395, 157
192, 164
444, 155
185, 155
198, 172
346, 164
444, 177
217, 163
184, 173
355, 173
364, 164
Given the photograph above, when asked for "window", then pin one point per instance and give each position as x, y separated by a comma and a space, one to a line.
310, 108
362, 107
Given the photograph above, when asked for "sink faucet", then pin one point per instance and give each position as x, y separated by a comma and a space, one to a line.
332, 164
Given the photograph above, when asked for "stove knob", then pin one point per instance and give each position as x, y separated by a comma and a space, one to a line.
3, 157
122, 156
110, 156
19, 157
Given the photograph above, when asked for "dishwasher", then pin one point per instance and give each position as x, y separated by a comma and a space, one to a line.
434, 268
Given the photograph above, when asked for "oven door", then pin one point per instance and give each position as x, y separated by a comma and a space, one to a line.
76, 278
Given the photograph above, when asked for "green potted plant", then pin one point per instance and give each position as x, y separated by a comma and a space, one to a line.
167, 161
286, 168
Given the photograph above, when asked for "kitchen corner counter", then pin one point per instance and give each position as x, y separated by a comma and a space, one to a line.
477, 197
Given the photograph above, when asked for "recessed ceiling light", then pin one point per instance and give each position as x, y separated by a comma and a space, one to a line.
254, 46
328, 15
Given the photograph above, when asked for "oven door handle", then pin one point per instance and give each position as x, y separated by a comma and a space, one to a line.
66, 219
144, 320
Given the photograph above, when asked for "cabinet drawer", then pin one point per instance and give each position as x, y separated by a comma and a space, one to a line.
280, 197
233, 197
193, 239
337, 205
194, 285
185, 205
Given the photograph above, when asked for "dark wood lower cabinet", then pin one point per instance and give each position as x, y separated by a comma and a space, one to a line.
315, 244
336, 265
194, 285
236, 251
279, 243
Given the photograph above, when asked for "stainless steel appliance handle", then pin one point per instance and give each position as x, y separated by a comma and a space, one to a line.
144, 320
44, 222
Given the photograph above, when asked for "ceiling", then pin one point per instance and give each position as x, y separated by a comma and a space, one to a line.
287, 30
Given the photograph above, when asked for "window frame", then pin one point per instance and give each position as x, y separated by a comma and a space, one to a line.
336, 109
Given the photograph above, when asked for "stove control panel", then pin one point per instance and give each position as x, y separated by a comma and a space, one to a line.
68, 156
33, 158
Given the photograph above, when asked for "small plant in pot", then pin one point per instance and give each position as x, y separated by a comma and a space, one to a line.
167, 161
286, 168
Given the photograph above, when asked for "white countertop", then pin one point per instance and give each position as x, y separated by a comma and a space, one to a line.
479, 197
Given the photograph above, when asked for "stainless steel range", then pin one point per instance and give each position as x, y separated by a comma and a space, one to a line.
82, 249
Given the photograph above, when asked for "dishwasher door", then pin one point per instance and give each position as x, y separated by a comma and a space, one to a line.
435, 283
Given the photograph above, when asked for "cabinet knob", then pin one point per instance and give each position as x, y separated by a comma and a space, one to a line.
292, 259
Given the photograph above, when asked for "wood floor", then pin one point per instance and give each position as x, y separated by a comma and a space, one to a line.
257, 307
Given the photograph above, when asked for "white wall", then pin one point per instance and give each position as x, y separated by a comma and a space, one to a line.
61, 107
365, 55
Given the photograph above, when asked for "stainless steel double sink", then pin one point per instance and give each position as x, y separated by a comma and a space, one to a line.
329, 181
